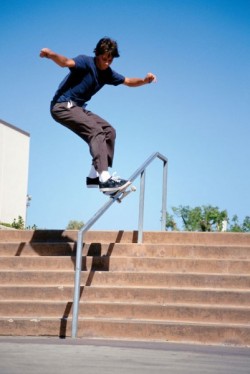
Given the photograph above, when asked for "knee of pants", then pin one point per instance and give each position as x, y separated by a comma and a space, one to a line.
112, 133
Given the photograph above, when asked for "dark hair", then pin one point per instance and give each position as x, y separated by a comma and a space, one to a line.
106, 45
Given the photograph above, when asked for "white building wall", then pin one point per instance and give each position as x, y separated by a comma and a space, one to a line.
14, 166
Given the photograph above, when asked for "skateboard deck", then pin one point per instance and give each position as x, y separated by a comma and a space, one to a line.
120, 194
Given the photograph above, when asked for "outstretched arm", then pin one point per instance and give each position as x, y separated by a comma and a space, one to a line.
136, 82
58, 59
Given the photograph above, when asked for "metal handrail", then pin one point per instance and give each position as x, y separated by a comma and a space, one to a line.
100, 212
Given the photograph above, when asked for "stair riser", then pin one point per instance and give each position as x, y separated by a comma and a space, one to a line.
24, 236
37, 249
116, 250
127, 264
126, 311
167, 332
133, 295
126, 237
36, 278
125, 279
25, 293
168, 250
228, 335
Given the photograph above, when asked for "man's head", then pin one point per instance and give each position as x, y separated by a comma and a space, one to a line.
106, 49
107, 46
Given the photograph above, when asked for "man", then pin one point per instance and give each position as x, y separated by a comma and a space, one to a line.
68, 107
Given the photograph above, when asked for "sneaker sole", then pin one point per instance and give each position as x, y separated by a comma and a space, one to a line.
113, 190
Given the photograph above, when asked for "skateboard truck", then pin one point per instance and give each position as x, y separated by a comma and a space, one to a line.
120, 194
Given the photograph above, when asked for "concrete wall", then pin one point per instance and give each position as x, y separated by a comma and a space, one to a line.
14, 165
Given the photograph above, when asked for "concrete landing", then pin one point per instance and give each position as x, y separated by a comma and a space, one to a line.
53, 355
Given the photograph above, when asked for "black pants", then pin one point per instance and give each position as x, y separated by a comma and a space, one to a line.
95, 131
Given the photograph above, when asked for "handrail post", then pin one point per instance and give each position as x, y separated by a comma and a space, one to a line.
141, 205
164, 196
78, 269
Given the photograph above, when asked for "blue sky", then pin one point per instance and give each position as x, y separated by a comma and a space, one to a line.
197, 114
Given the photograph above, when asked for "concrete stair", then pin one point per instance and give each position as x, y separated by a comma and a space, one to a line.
180, 287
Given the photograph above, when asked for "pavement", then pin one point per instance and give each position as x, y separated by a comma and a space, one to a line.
26, 355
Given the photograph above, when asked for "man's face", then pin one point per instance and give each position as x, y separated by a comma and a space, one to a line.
104, 61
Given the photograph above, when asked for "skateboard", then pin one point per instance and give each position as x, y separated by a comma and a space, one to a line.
120, 194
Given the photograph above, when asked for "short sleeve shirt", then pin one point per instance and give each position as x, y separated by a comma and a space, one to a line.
85, 80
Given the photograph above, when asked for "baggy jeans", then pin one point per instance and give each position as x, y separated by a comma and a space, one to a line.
95, 131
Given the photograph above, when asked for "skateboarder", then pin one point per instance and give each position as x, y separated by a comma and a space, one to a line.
87, 75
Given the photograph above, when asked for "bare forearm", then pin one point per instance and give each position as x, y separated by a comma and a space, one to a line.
58, 59
137, 82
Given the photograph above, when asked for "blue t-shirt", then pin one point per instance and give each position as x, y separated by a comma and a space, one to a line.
84, 80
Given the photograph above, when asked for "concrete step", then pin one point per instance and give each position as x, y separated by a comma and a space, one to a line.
205, 238
156, 330
105, 278
126, 279
201, 333
168, 250
145, 264
37, 249
57, 236
115, 310
128, 294
192, 287
239, 252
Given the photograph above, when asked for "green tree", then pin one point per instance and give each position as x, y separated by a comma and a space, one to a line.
235, 225
170, 223
191, 218
75, 225
213, 218
204, 218
18, 224
246, 224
